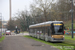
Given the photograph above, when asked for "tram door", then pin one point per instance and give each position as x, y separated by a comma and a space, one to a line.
49, 31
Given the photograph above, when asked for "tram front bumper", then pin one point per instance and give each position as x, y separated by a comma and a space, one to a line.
57, 39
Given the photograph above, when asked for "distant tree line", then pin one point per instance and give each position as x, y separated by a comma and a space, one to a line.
42, 11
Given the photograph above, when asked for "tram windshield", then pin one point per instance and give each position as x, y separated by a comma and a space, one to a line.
58, 30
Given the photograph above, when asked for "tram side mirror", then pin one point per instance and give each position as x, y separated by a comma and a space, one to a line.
52, 26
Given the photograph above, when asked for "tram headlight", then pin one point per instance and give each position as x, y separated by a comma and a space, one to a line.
63, 36
52, 36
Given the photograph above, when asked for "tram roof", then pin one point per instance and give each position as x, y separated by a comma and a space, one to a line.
44, 23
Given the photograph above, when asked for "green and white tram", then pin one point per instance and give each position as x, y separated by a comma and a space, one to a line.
48, 31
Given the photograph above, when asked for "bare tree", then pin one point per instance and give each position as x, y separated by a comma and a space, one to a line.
11, 25
42, 7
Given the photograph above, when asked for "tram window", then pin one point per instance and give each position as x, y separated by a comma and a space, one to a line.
37, 30
34, 30
40, 30
31, 30
46, 30
49, 31
43, 30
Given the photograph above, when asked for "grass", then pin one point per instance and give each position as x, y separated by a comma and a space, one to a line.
69, 37
2, 38
62, 46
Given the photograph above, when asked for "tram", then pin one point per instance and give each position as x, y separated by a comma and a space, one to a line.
48, 31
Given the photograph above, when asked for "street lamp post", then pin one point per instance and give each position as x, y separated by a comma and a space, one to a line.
10, 9
72, 18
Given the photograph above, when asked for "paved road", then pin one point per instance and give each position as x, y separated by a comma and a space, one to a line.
22, 43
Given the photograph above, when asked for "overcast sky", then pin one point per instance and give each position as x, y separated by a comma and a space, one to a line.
16, 5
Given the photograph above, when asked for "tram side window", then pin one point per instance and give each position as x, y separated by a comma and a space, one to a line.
40, 30
46, 30
34, 31
49, 31
43, 30
37, 30
31, 30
